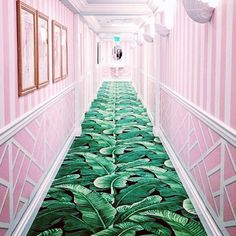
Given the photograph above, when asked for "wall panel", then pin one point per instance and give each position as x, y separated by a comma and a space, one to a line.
12, 106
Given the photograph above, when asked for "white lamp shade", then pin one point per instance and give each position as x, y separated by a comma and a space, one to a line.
139, 42
148, 38
162, 30
198, 10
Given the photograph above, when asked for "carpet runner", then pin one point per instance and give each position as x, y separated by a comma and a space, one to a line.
117, 178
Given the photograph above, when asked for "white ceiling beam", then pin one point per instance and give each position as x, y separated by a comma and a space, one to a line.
116, 10
118, 29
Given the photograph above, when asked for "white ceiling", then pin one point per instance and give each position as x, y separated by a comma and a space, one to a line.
114, 16
116, 1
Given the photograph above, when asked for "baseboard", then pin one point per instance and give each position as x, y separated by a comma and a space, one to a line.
207, 220
24, 224
78, 131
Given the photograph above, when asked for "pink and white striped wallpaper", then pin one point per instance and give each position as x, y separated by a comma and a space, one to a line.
197, 64
27, 156
12, 106
201, 61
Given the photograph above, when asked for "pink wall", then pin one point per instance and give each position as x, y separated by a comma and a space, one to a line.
202, 61
27, 157
198, 62
195, 68
11, 106
28, 154
209, 159
89, 73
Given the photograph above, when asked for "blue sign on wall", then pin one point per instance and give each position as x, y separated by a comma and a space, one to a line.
116, 38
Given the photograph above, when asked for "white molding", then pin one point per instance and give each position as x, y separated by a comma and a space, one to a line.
205, 216
218, 126
29, 215
11, 129
78, 130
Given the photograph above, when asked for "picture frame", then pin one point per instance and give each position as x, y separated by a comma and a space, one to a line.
42, 49
27, 48
64, 52
56, 52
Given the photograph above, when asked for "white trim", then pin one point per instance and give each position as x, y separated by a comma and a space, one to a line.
27, 219
78, 130
207, 220
228, 63
218, 126
10, 130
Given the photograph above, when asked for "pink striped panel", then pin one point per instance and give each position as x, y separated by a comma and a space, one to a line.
13, 106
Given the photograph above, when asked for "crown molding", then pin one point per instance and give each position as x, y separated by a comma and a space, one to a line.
75, 5
154, 4
85, 9
116, 10
118, 29
92, 22
88, 13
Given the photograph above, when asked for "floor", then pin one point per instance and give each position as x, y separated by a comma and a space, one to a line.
117, 178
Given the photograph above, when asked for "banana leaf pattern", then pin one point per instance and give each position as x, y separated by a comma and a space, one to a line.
117, 178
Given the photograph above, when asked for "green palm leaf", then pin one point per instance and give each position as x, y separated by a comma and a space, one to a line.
94, 208
133, 164
51, 232
100, 138
137, 191
66, 179
156, 228
118, 150
53, 214
72, 223
112, 181
126, 211
101, 166
168, 177
123, 229
181, 225
188, 206
169, 164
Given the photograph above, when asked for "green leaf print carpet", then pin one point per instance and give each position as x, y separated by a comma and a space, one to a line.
116, 179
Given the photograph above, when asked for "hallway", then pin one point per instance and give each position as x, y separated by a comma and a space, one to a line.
117, 117
117, 178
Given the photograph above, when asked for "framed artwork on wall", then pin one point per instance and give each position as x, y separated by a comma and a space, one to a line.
43, 50
64, 50
56, 52
27, 48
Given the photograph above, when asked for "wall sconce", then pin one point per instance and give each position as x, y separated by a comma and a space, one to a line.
148, 38
139, 42
149, 31
162, 30
200, 10
166, 19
